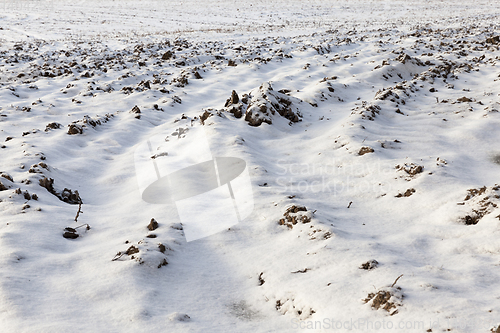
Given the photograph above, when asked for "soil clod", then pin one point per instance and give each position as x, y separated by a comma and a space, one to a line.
153, 225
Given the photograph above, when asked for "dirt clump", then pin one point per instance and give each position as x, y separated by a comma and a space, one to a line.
145, 252
70, 235
403, 58
137, 111
52, 126
408, 193
464, 100
369, 265
6, 176
153, 225
493, 40
167, 55
381, 300
235, 105
132, 250
411, 169
294, 215
365, 150
475, 192
3, 187
205, 116
75, 129
70, 197
47, 183
387, 298
480, 202
234, 99
265, 103
66, 195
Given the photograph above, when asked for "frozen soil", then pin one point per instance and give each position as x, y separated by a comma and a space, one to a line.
371, 134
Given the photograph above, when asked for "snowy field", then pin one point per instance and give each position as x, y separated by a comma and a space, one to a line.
370, 132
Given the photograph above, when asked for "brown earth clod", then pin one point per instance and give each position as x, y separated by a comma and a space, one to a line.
66, 195
369, 265
365, 150
481, 202
387, 299
411, 169
408, 193
153, 225
294, 215
234, 99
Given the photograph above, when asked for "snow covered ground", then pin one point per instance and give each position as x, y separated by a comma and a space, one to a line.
370, 131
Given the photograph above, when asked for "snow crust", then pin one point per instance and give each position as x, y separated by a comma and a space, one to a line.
370, 133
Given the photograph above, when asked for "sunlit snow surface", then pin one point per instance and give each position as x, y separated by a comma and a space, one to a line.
396, 158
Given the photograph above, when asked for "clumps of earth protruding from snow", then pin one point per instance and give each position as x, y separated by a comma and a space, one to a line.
135, 110
479, 203
262, 104
6, 176
35, 168
408, 193
411, 169
52, 126
69, 234
387, 298
3, 187
65, 195
365, 150
299, 216
496, 329
369, 265
367, 111
235, 105
294, 215
7, 181
288, 305
78, 126
207, 114
146, 252
72, 233
149, 252
153, 225
265, 103
417, 86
